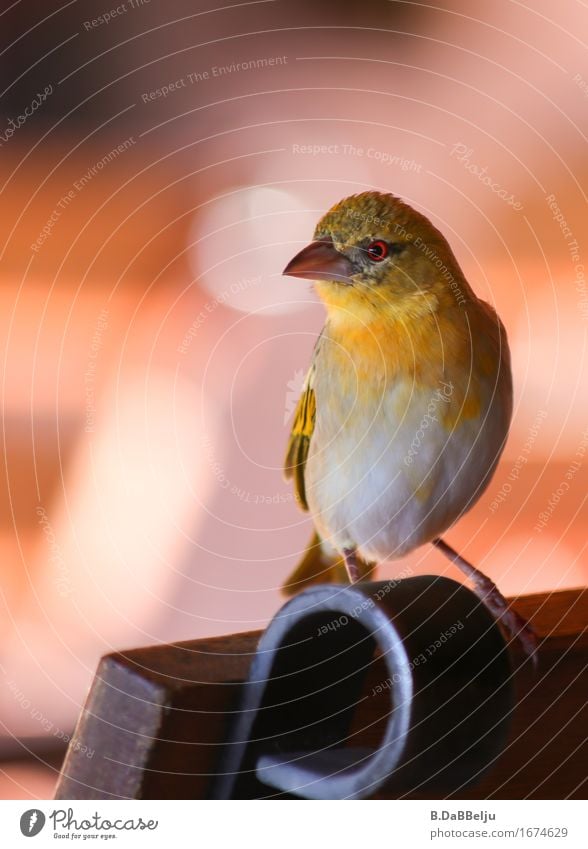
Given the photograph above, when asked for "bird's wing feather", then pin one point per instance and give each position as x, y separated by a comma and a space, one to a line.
299, 441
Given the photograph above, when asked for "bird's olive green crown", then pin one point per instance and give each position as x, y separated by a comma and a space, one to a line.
414, 254
374, 214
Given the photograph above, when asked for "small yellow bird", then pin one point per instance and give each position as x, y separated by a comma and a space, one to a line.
407, 404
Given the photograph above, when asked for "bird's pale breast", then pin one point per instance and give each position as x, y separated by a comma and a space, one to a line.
395, 458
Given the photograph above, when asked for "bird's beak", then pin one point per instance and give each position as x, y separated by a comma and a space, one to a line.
320, 261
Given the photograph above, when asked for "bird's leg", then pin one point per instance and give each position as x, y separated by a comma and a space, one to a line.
492, 598
351, 564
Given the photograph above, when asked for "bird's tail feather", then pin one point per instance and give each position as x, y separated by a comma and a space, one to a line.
321, 564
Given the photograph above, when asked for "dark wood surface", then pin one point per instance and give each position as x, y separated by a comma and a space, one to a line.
547, 754
157, 717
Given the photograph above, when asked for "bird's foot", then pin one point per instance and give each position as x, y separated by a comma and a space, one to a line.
352, 565
513, 623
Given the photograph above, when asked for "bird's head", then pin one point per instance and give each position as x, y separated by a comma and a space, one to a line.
372, 252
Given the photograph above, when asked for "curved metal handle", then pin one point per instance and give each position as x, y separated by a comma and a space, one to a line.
404, 683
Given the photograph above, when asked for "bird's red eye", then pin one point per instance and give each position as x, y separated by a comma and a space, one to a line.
377, 251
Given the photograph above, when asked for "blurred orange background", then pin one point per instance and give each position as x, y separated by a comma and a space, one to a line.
159, 167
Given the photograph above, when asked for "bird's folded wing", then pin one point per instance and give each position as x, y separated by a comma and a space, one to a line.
299, 441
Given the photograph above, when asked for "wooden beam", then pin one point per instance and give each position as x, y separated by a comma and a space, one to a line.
157, 717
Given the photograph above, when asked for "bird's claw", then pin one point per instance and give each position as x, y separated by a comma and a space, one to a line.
515, 625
